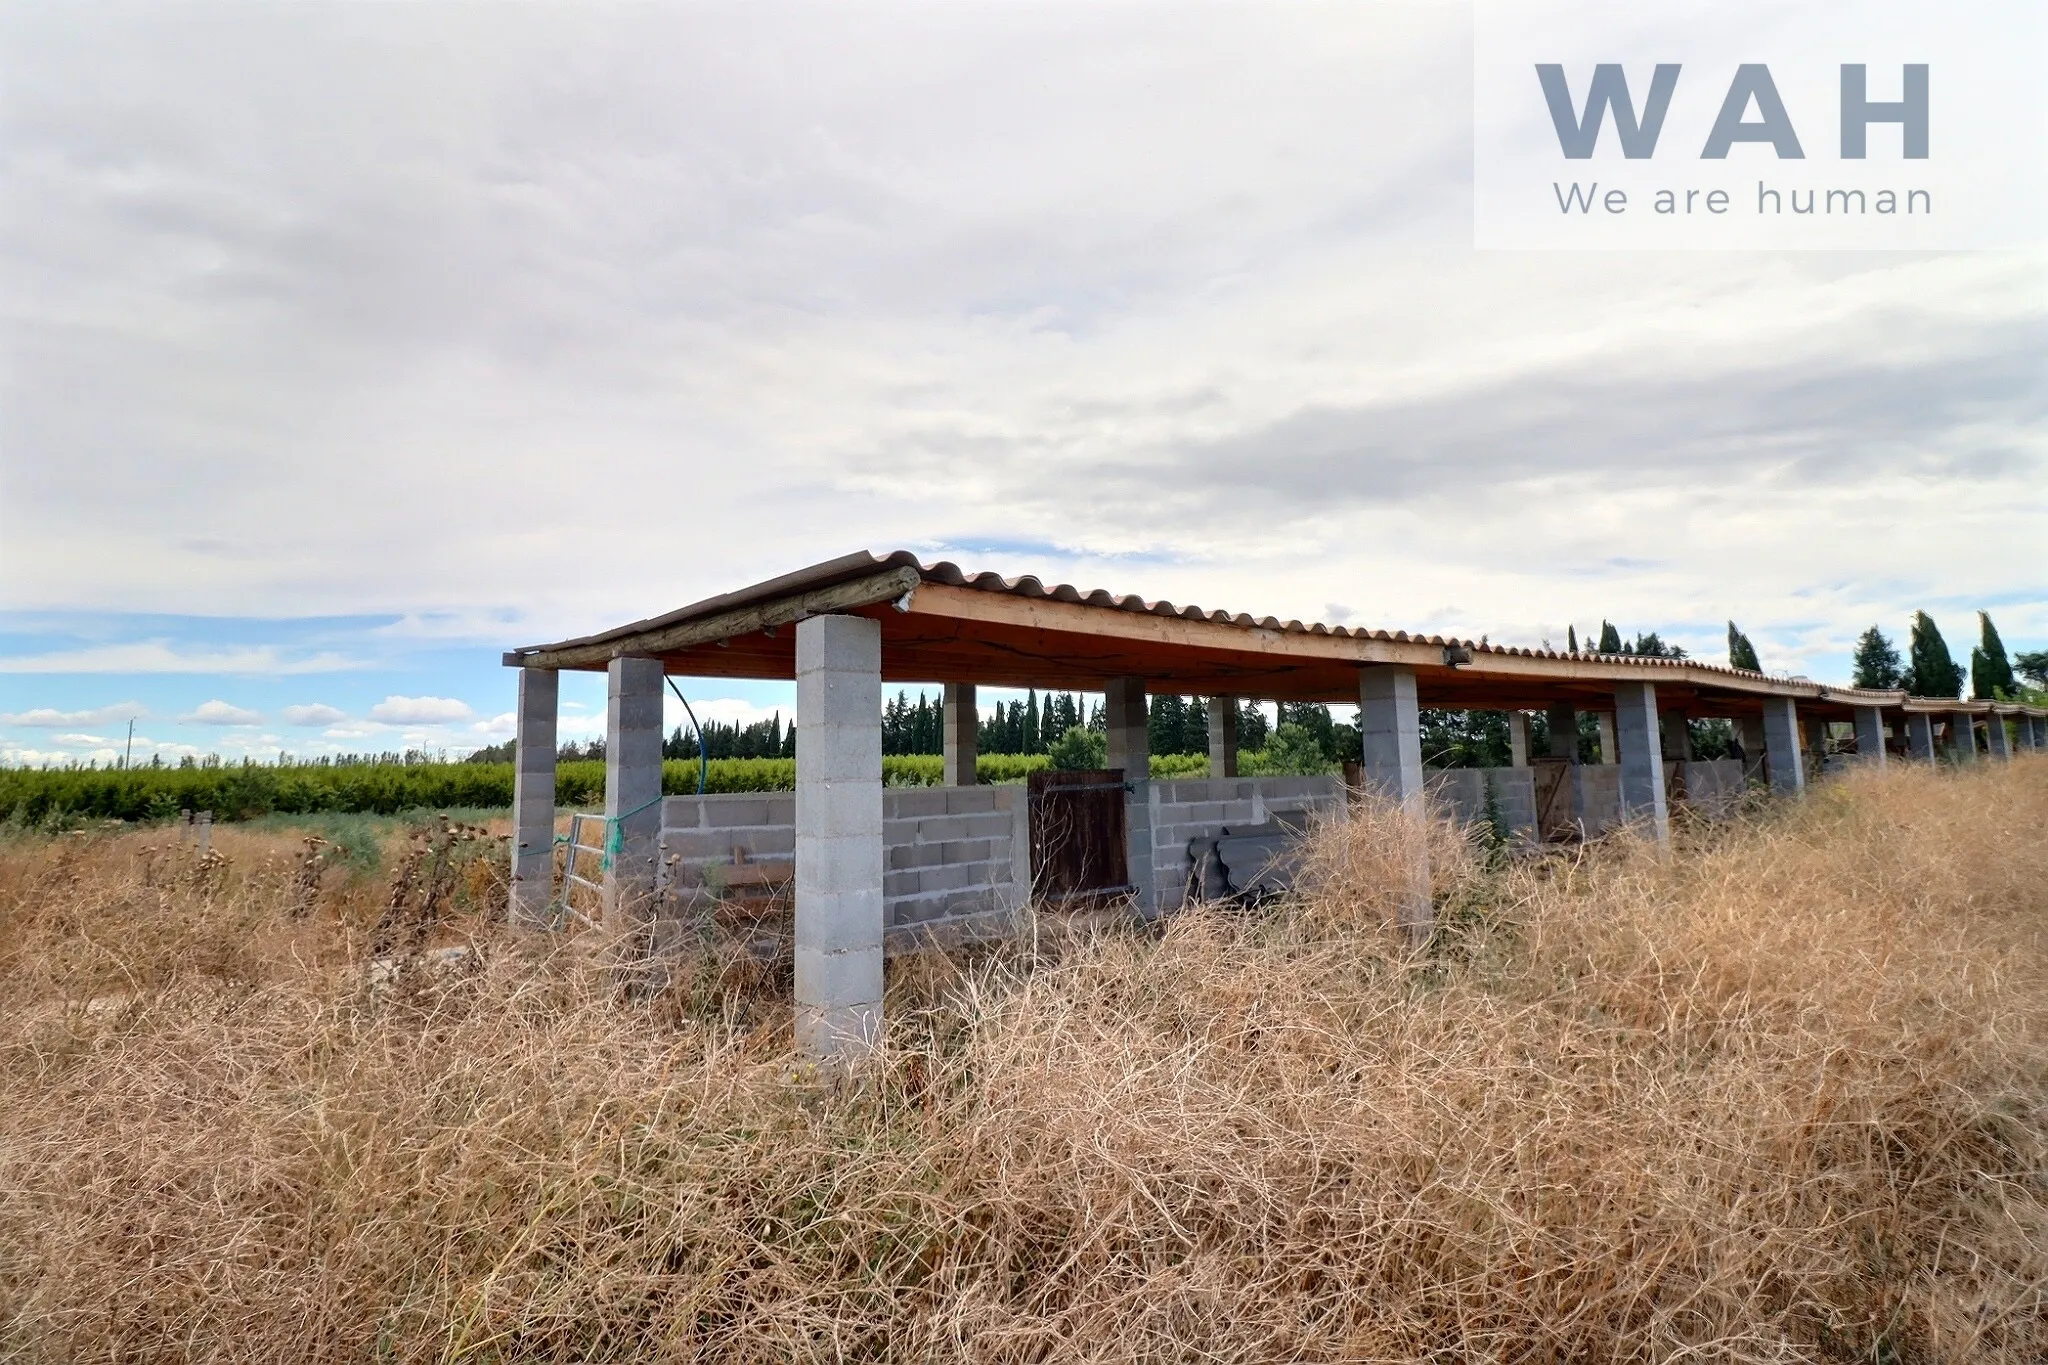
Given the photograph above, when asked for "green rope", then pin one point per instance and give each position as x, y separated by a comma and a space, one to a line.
615, 832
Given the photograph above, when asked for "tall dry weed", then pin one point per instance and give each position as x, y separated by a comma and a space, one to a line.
1781, 1094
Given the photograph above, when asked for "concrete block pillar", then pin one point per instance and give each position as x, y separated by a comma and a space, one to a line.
962, 735
533, 798
1677, 731
1518, 739
632, 786
1870, 736
1781, 746
1126, 717
1962, 728
1390, 733
1751, 732
1642, 759
1920, 735
1390, 744
2028, 731
838, 836
1564, 732
1609, 752
1223, 736
1994, 735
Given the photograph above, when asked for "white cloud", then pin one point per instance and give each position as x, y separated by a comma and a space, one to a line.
47, 717
1172, 292
218, 712
158, 656
420, 710
42, 758
502, 726
313, 713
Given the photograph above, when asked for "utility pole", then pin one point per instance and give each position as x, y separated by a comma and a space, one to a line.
129, 755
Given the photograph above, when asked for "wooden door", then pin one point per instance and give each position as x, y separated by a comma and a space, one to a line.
1079, 842
1556, 817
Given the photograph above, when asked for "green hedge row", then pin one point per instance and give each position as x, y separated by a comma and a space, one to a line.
40, 795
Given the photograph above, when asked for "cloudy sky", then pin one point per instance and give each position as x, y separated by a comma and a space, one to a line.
343, 347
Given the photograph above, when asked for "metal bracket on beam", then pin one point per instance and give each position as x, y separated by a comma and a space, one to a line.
1455, 655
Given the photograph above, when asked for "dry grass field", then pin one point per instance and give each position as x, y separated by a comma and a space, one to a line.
1781, 1096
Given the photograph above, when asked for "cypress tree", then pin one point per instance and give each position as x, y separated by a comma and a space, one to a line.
1571, 639
1990, 669
1610, 638
1930, 671
1741, 653
1877, 662
1251, 726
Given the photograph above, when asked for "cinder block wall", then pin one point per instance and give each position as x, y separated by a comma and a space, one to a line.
950, 854
697, 831
953, 853
1461, 794
1596, 797
1714, 787
1202, 808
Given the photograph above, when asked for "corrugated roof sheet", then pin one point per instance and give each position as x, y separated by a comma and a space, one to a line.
863, 563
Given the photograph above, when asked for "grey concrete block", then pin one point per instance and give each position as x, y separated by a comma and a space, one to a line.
913, 803
993, 825
952, 876
838, 700
834, 809
698, 844
977, 800
839, 754
828, 980
937, 829
967, 850
838, 864
911, 856
766, 839
838, 1035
